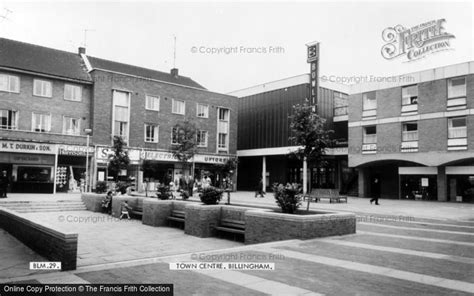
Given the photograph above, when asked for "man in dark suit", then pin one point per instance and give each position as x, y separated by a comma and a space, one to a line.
4, 182
375, 191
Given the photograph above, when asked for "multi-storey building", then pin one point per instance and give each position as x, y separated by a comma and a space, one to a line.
415, 135
45, 103
264, 147
52, 101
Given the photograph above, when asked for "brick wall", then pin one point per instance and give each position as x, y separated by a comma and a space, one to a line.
433, 135
106, 82
389, 102
432, 96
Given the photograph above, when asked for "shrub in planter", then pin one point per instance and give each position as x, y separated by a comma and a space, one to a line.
122, 186
210, 195
287, 196
101, 187
184, 194
163, 192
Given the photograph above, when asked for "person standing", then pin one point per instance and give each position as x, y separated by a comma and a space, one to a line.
375, 191
259, 190
4, 182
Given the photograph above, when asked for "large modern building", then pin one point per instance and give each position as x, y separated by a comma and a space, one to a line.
416, 135
264, 148
52, 103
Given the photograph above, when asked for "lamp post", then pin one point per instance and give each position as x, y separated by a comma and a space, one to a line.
88, 132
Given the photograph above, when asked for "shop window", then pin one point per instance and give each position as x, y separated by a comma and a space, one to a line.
9, 83
34, 174
42, 88
72, 92
71, 126
202, 111
41, 122
178, 107
8, 119
202, 138
151, 133
152, 103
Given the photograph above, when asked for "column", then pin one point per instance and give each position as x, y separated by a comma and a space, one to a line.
264, 173
442, 184
362, 184
305, 176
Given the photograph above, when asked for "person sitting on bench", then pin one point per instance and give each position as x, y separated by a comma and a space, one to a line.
125, 210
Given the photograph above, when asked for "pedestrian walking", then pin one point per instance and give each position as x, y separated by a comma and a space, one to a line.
375, 191
259, 191
4, 183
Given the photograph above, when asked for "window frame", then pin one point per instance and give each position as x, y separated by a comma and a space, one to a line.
9, 77
206, 115
451, 128
449, 86
114, 119
364, 134
410, 97
152, 97
198, 137
173, 106
43, 81
79, 87
155, 130
65, 117
405, 132
364, 100
226, 141
33, 122
15, 124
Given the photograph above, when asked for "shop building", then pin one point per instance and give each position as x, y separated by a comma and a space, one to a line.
264, 131
45, 102
143, 105
416, 135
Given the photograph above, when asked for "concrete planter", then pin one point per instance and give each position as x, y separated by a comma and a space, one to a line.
93, 201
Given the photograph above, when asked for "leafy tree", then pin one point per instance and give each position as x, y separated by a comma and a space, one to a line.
185, 137
120, 160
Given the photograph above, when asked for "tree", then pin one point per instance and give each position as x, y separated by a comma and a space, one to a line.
184, 142
310, 134
120, 160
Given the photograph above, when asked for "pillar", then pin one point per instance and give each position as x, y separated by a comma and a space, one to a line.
264, 173
305, 176
362, 182
442, 184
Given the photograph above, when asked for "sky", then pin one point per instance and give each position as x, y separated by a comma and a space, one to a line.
227, 46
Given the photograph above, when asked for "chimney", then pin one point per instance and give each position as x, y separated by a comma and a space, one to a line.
82, 50
174, 72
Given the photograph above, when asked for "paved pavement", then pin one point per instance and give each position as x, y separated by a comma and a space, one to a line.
431, 253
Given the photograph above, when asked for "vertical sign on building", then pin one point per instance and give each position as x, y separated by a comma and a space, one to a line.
313, 60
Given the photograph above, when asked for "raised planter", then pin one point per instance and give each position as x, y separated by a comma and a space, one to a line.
93, 201
133, 201
201, 219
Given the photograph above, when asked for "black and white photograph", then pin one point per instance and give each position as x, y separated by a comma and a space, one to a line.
236, 147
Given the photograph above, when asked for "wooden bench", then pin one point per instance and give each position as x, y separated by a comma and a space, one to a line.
231, 226
137, 211
176, 216
332, 195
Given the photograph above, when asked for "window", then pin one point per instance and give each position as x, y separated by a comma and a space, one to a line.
71, 126
178, 107
202, 138
410, 95
42, 88
151, 133
202, 111
340, 104
72, 92
410, 132
370, 135
9, 83
174, 136
121, 114
8, 119
222, 141
369, 101
152, 103
223, 114
457, 128
457, 87
41, 122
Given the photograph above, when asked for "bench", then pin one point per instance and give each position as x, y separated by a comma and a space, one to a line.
176, 216
332, 195
231, 226
137, 211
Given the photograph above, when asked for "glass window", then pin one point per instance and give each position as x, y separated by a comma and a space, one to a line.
223, 114
222, 141
8, 119
340, 104
457, 87
152, 103
203, 111
178, 107
41, 122
151, 133
457, 128
410, 95
370, 135
42, 88
369, 101
34, 174
202, 138
72, 92
410, 132
9, 83
71, 126
121, 114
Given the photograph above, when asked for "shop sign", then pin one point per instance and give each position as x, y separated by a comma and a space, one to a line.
424, 182
157, 155
104, 153
74, 150
214, 159
27, 147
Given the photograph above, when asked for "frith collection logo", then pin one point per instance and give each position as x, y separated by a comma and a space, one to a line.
416, 42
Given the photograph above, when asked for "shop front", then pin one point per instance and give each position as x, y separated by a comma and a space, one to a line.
71, 170
30, 166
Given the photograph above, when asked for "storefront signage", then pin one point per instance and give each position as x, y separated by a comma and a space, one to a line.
157, 155
215, 159
424, 182
313, 60
74, 150
27, 147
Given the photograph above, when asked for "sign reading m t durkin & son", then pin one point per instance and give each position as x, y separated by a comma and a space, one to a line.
416, 42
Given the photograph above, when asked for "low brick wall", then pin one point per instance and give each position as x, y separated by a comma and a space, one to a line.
132, 201
155, 211
201, 219
234, 212
93, 201
267, 225
46, 241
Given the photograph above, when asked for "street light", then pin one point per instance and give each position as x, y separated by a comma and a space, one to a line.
88, 131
